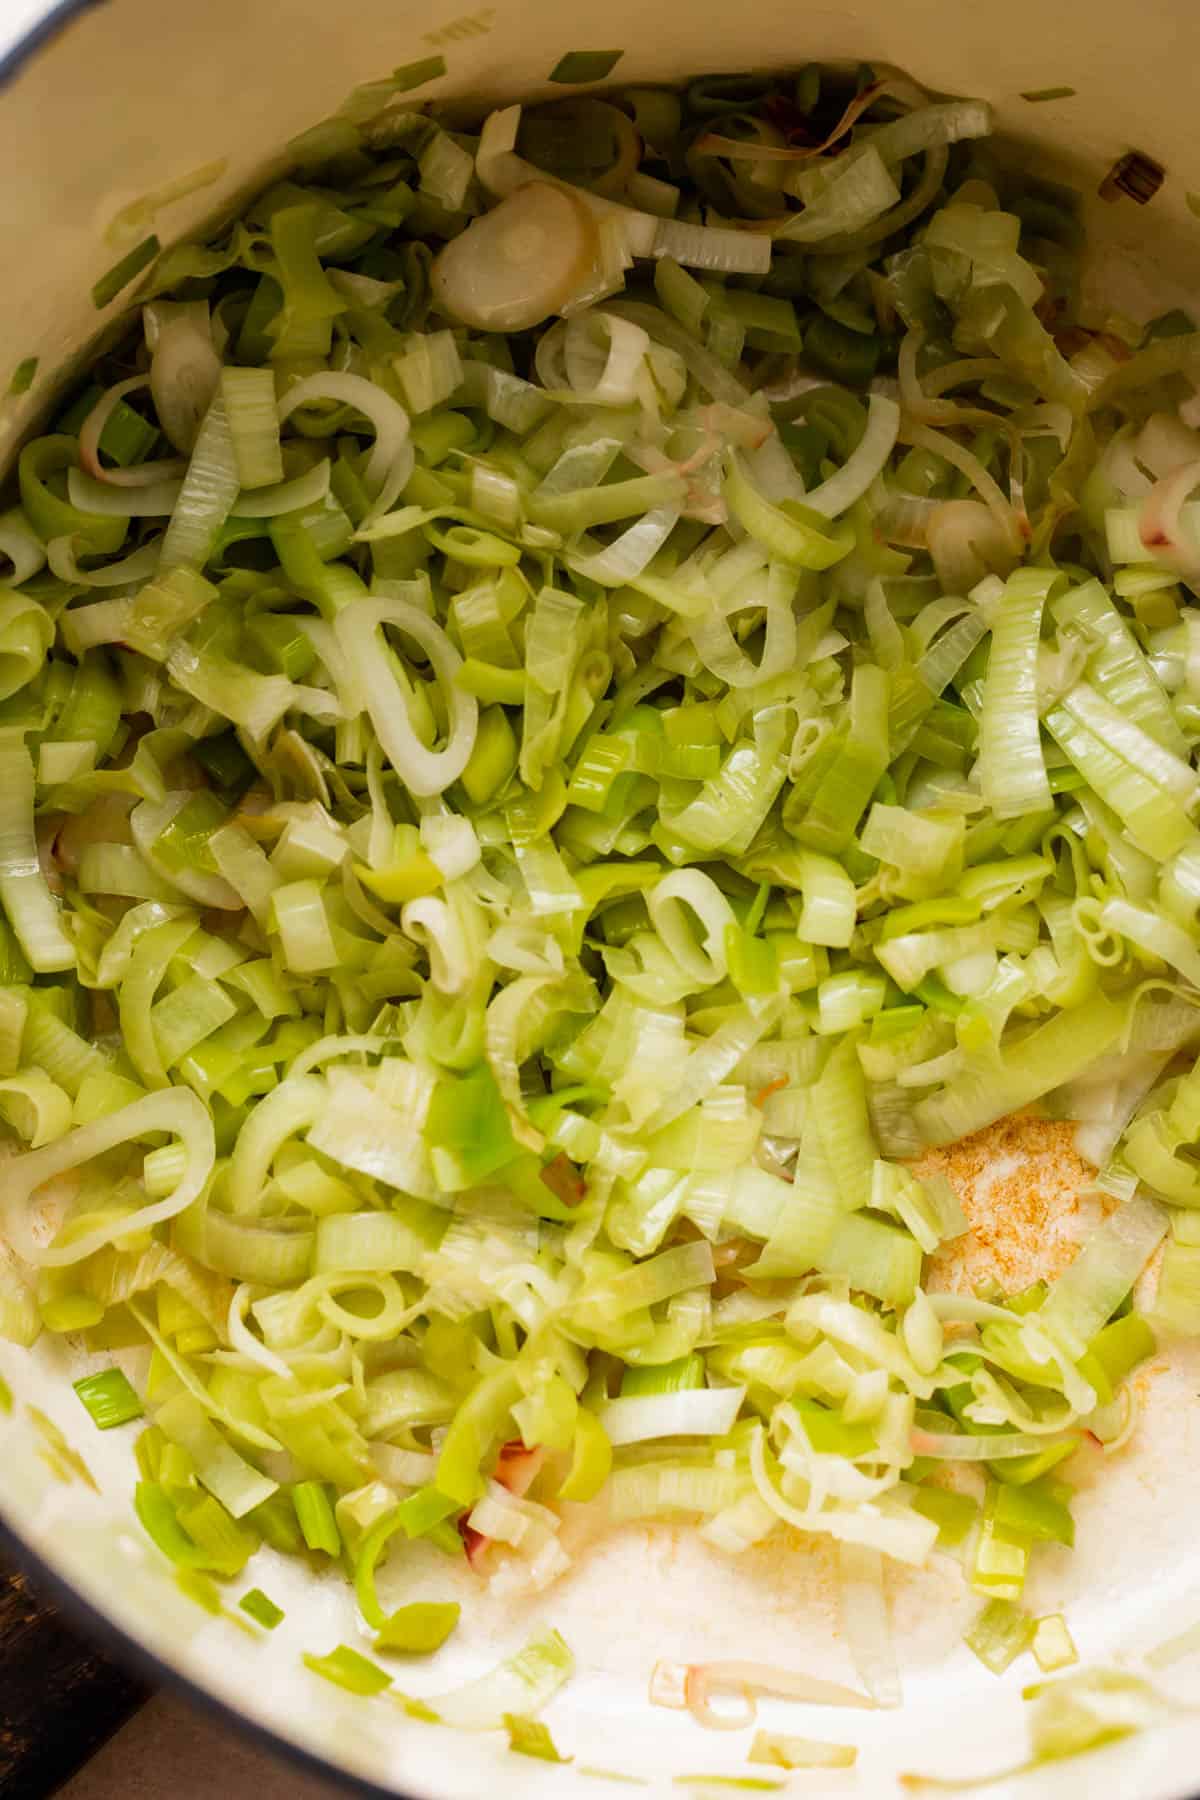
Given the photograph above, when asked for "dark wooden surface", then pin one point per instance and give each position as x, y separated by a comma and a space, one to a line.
59, 1697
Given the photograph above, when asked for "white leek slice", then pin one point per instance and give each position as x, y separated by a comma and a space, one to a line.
423, 771
176, 1110
518, 263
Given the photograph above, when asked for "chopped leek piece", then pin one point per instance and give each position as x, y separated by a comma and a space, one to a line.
665, 1378
225, 1545
578, 66
315, 1515
591, 1458
1037, 1509
348, 1669
122, 273
23, 376
800, 1753
468, 1131
416, 74
1053, 1645
523, 1684
261, 1608
418, 1629
999, 1634
529, 1737
109, 1399
953, 1514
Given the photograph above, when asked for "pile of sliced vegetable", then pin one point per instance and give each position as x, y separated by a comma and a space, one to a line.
583, 686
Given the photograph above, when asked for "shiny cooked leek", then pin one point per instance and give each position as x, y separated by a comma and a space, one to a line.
510, 843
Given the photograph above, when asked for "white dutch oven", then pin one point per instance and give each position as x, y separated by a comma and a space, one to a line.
98, 104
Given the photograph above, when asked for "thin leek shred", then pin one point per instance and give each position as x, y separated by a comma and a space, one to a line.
543, 826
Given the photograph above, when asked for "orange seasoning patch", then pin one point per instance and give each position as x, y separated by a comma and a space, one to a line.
1028, 1196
